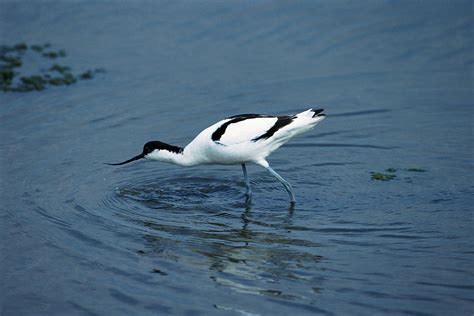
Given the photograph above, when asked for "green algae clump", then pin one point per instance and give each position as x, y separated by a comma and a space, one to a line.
379, 176
33, 83
11, 59
87, 75
416, 170
390, 175
6, 76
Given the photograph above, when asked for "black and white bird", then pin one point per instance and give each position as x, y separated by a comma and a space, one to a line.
239, 139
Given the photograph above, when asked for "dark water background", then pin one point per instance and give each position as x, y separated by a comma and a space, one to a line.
395, 78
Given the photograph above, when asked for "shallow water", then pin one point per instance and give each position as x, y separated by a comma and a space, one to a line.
395, 78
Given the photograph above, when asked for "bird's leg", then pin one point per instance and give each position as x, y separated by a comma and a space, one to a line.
248, 191
285, 183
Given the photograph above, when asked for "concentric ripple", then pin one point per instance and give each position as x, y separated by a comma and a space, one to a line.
186, 219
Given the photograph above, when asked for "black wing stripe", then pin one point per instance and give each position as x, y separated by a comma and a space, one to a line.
216, 136
281, 122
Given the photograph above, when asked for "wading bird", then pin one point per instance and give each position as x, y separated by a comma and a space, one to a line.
239, 139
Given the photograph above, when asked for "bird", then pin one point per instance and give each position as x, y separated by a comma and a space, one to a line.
239, 139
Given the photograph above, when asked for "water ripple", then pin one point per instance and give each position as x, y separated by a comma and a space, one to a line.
339, 145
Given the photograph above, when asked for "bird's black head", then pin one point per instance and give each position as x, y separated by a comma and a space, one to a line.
157, 145
150, 147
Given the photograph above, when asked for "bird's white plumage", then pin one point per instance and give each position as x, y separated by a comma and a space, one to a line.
237, 144
246, 130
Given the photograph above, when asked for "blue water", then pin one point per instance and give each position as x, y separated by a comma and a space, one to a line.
395, 78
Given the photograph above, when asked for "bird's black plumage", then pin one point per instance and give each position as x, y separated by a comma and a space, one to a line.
152, 145
281, 122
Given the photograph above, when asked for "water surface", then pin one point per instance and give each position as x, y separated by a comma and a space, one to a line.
395, 78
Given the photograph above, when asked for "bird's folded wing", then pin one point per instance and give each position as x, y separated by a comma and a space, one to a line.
243, 129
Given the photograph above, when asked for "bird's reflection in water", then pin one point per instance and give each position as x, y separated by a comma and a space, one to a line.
256, 256
246, 216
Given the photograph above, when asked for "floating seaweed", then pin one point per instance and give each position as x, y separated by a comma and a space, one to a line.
54, 55
20, 46
416, 170
33, 83
11, 59
382, 176
87, 75
6, 76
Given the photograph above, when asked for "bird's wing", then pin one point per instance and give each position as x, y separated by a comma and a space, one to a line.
248, 127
